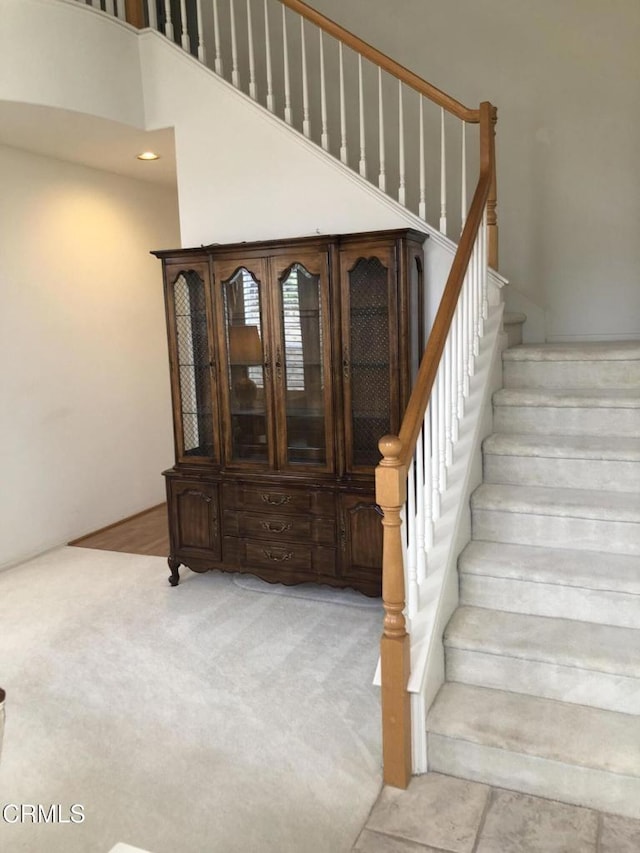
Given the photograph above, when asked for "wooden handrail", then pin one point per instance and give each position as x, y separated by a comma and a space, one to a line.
391, 479
386, 63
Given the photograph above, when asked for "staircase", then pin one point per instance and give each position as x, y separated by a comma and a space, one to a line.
543, 655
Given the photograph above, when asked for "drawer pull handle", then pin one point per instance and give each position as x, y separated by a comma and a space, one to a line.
277, 558
276, 500
275, 528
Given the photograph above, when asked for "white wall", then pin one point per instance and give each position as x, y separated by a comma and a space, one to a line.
243, 174
566, 79
63, 54
85, 424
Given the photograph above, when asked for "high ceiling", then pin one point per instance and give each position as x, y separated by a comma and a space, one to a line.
87, 140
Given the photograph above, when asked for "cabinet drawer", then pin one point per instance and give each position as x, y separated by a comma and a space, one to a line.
280, 500
280, 528
256, 554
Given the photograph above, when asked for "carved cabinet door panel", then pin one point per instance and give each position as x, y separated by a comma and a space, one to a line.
195, 517
361, 541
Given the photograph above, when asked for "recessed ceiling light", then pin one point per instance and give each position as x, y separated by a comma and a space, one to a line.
148, 155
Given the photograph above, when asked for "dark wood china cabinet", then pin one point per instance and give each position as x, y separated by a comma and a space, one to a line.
289, 360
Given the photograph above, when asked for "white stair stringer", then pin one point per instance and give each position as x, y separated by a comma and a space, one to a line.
543, 654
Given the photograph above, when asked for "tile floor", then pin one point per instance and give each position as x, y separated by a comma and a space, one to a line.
441, 814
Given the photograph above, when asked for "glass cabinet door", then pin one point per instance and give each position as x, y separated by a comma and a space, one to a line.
370, 369
193, 381
302, 363
247, 397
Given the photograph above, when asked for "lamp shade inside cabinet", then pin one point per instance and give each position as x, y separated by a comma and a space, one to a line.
289, 360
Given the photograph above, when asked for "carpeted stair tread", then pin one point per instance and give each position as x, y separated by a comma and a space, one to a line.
569, 398
565, 503
563, 642
596, 351
564, 447
594, 570
550, 730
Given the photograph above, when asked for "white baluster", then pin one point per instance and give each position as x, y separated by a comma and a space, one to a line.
463, 179
465, 331
401, 188
363, 154
152, 14
453, 334
428, 479
216, 28
324, 136
421, 559
184, 37
460, 358
121, 10
168, 23
344, 155
412, 577
472, 314
252, 58
477, 299
306, 123
448, 404
202, 56
267, 44
435, 442
109, 7
422, 204
382, 176
442, 434
485, 270
287, 82
96, 4
443, 176
235, 72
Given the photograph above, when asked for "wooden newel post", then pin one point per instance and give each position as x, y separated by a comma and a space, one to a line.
134, 10
391, 488
492, 201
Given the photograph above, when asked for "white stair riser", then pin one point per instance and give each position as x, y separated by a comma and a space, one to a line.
603, 607
541, 678
584, 786
606, 474
571, 374
551, 420
556, 531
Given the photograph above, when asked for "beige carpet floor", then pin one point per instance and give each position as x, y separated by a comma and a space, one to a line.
210, 718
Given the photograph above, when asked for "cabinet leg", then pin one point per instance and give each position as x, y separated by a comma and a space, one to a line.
174, 578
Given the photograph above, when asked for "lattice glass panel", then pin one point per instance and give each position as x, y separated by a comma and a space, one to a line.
193, 364
369, 358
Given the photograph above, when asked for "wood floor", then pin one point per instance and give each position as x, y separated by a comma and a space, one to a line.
144, 533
